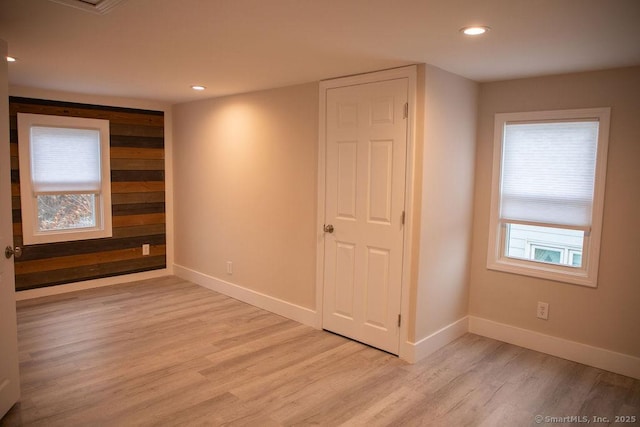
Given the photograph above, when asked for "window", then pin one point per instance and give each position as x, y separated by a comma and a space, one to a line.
548, 194
65, 186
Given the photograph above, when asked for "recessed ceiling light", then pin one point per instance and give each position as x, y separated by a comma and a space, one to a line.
474, 30
198, 87
11, 59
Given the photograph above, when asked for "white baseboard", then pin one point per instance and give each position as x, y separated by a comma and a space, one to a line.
89, 284
283, 308
414, 352
582, 353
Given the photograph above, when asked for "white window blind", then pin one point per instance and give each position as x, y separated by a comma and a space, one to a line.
548, 173
65, 160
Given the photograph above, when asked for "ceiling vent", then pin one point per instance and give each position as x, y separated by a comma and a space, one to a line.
96, 6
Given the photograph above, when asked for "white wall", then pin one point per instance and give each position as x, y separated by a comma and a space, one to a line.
245, 179
448, 156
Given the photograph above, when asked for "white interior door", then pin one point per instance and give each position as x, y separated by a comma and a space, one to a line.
366, 147
9, 379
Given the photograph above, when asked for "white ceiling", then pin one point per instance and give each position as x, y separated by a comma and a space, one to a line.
156, 49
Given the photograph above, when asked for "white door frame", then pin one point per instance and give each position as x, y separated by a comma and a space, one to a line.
9, 377
411, 74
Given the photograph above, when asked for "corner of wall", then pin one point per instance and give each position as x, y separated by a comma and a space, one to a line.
448, 166
417, 200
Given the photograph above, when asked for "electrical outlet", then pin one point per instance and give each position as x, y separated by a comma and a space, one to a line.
145, 249
543, 310
229, 267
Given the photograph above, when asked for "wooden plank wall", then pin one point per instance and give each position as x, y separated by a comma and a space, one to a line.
137, 193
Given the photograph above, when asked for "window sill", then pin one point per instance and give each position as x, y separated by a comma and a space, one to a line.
67, 236
562, 274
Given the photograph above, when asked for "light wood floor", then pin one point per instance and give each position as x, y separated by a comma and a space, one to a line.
167, 352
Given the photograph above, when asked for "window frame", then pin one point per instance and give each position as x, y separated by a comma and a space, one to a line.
31, 235
496, 259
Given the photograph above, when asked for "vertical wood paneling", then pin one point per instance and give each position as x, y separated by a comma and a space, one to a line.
138, 200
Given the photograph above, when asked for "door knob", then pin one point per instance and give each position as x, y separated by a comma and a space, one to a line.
328, 228
9, 251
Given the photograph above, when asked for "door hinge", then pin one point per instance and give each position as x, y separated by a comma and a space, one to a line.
406, 110
399, 320
402, 217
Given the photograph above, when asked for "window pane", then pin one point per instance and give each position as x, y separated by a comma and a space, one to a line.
576, 260
547, 255
66, 211
544, 244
